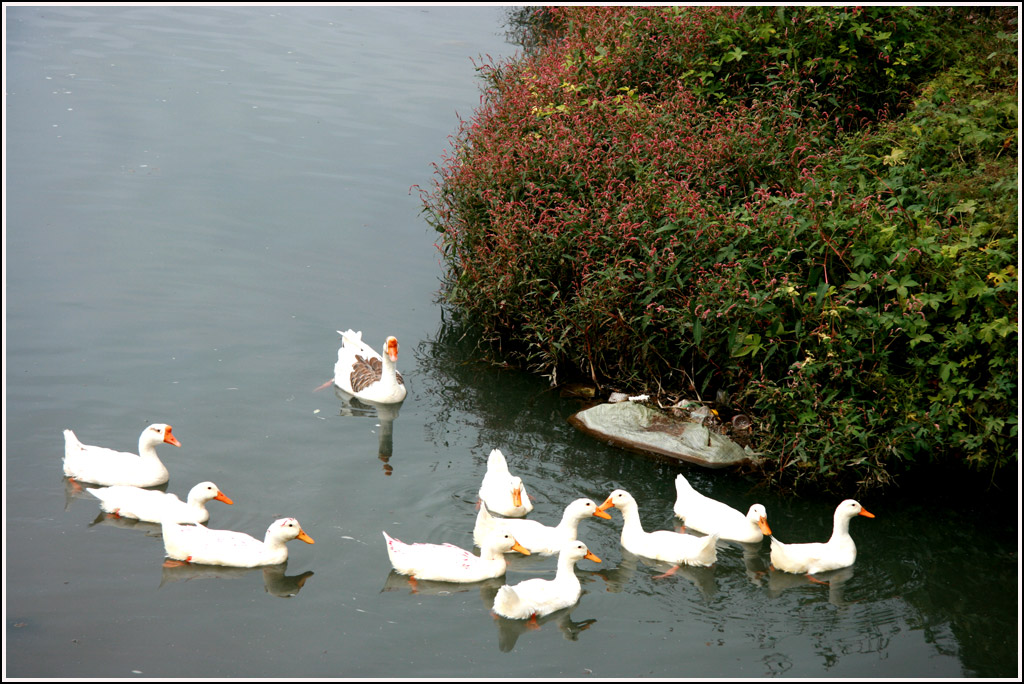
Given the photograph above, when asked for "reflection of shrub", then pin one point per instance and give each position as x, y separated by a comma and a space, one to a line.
633, 204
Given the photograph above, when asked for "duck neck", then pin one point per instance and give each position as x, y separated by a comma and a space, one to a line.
840, 528
631, 520
388, 371
569, 524
149, 459
147, 449
273, 542
566, 571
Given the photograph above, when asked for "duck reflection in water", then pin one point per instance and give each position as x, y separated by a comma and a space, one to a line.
616, 579
755, 561
509, 631
398, 582
385, 415
275, 581
779, 582
112, 520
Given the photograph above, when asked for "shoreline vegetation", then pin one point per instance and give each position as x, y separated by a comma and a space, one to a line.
807, 215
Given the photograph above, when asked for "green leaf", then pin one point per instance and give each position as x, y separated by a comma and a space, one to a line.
914, 341
859, 281
751, 344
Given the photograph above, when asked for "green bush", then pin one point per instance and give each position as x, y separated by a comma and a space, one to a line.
798, 225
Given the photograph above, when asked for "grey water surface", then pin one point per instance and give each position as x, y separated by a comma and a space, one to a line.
197, 198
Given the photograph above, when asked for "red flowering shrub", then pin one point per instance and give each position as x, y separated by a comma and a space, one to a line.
630, 204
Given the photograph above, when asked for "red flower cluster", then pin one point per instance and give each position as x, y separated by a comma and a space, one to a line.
578, 191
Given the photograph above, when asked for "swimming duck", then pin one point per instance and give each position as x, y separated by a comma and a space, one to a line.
501, 491
539, 597
103, 466
664, 545
838, 552
449, 563
535, 536
199, 544
365, 374
154, 506
707, 515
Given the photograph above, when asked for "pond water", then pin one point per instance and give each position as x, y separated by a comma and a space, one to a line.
197, 199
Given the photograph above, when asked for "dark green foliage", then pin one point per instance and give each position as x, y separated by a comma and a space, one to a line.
813, 208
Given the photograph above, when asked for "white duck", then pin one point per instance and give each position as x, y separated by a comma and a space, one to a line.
838, 552
535, 536
501, 491
155, 506
539, 597
710, 516
663, 545
449, 563
365, 374
199, 544
104, 466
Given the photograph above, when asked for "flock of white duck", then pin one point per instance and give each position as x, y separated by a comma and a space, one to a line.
186, 537
505, 494
365, 374
360, 370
